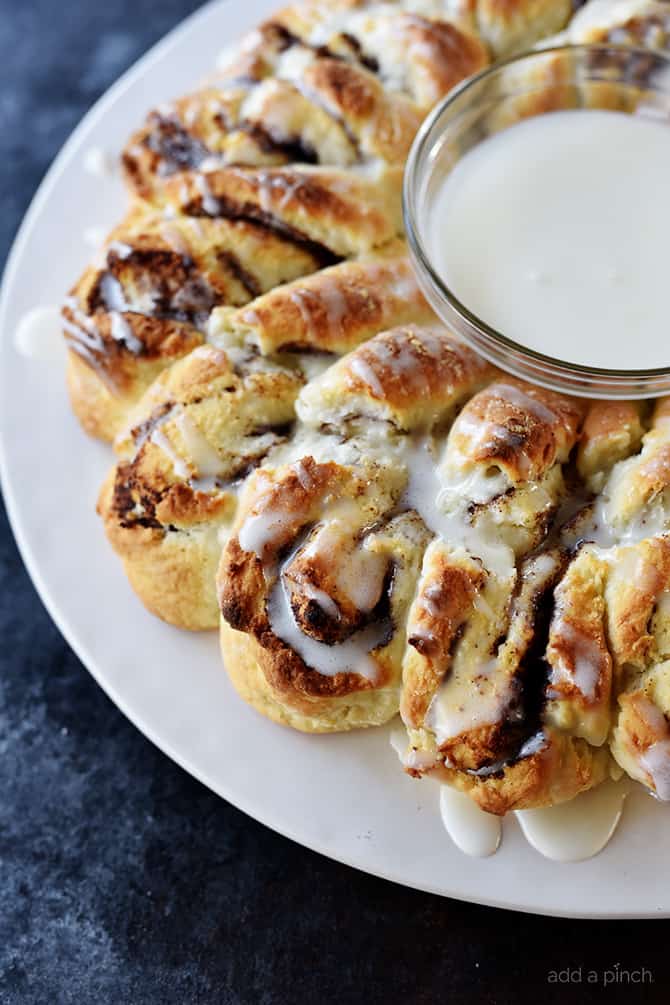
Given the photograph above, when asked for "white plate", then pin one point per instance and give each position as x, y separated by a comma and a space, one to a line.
344, 796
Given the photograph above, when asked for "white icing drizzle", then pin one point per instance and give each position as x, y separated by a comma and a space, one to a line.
270, 185
656, 762
476, 485
120, 249
94, 236
172, 236
258, 530
112, 293
37, 334
533, 745
578, 829
472, 830
314, 364
466, 701
425, 494
210, 204
568, 832
122, 332
162, 442
410, 757
303, 474
352, 655
333, 299
100, 163
358, 572
301, 299
601, 524
84, 330
207, 461
526, 402
586, 672
365, 373
320, 597
479, 432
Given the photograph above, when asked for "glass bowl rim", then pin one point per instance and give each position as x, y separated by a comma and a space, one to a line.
421, 150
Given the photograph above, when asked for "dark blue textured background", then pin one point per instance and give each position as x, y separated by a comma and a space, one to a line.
122, 880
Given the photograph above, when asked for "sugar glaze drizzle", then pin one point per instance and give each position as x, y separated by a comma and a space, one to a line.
37, 335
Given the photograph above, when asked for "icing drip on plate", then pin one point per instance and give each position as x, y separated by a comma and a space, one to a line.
472, 830
37, 335
100, 163
579, 829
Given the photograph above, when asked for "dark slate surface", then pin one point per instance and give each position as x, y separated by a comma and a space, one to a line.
123, 880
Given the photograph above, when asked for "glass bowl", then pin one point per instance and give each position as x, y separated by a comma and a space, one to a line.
540, 82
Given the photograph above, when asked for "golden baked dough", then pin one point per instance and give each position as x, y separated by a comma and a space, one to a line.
611, 432
609, 653
473, 684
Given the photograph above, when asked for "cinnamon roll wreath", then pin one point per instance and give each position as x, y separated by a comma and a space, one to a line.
380, 522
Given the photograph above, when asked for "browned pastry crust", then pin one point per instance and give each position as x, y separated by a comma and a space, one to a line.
409, 377
333, 212
611, 432
475, 676
519, 428
301, 491
514, 759
609, 650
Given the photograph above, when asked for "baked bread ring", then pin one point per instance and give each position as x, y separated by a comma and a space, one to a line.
380, 521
